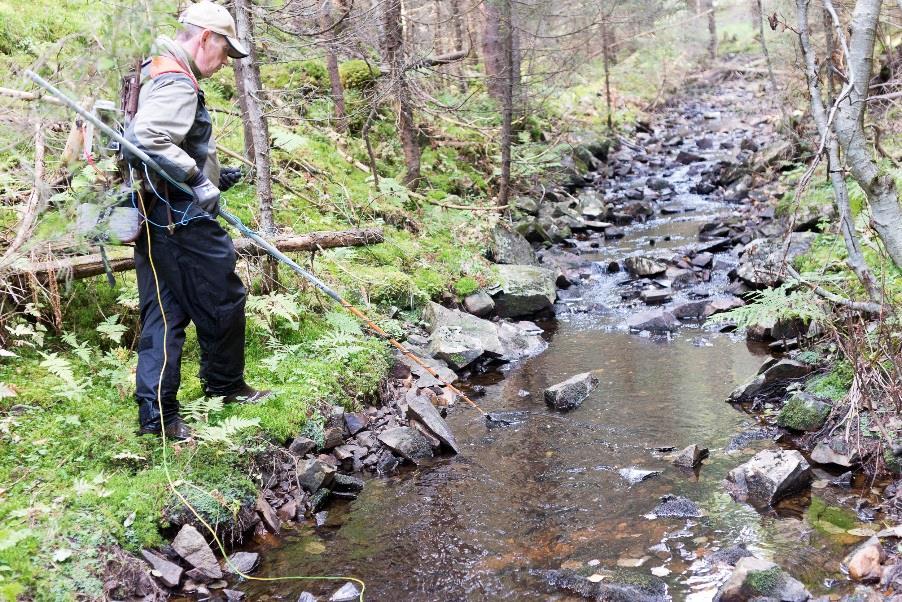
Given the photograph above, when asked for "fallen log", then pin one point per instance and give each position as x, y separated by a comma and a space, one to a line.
85, 266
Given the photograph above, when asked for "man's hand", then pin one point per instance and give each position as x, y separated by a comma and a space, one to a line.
228, 177
206, 194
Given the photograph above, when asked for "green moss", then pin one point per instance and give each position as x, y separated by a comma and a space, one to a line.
834, 384
801, 415
466, 286
764, 582
357, 74
819, 513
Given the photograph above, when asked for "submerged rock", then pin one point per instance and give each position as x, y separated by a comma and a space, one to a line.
769, 476
347, 593
570, 393
757, 579
523, 290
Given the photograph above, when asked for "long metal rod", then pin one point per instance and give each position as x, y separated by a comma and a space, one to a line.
259, 240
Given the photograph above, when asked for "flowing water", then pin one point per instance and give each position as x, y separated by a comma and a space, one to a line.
546, 493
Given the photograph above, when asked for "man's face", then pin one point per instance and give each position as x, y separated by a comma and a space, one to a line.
212, 53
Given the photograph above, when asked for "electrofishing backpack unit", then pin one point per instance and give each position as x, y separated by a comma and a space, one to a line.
114, 219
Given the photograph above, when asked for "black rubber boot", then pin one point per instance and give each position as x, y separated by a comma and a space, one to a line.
149, 419
246, 394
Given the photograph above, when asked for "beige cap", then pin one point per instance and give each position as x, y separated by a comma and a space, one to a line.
217, 19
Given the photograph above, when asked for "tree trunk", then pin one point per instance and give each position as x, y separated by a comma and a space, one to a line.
492, 48
606, 55
255, 120
506, 29
458, 43
834, 167
877, 184
338, 93
708, 5
394, 56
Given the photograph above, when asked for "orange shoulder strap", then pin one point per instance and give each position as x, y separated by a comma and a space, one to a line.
164, 64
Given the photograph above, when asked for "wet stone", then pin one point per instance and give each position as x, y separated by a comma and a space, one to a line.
306, 597
674, 506
729, 556
344, 482
356, 422
769, 476
347, 593
637, 475
301, 446
386, 464
423, 410
571, 393
241, 562
407, 442
691, 456
319, 500
754, 578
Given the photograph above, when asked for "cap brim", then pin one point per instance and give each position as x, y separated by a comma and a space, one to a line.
236, 48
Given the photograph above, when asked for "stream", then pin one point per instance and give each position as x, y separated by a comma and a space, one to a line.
546, 493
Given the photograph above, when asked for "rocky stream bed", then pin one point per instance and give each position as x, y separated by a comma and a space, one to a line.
643, 463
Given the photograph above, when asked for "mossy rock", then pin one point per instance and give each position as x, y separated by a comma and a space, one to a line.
357, 74
804, 412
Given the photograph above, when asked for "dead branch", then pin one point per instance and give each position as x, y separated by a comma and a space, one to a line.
86, 266
33, 205
862, 306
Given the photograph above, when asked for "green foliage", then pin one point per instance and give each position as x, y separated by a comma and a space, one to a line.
289, 75
782, 303
796, 414
764, 582
466, 286
358, 74
835, 384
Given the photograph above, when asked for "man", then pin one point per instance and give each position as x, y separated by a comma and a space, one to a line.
189, 260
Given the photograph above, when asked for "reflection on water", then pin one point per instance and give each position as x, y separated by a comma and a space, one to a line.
546, 492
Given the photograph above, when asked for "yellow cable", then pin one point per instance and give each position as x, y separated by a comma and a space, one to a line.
169, 480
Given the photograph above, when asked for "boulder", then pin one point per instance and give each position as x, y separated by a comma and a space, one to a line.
313, 474
523, 290
193, 548
169, 573
459, 338
618, 585
570, 394
509, 247
865, 563
422, 409
803, 412
762, 258
691, 456
757, 579
773, 378
356, 422
769, 476
520, 340
675, 506
835, 451
655, 321
479, 304
644, 267
407, 442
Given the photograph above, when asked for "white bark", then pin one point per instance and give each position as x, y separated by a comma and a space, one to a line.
878, 185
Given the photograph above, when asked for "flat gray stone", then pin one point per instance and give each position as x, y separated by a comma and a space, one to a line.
423, 410
241, 563
523, 290
644, 266
637, 475
655, 321
407, 442
570, 394
169, 573
769, 476
193, 548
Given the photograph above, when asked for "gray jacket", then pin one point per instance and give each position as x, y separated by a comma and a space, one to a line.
172, 124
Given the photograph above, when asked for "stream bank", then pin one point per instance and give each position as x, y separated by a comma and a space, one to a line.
672, 227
